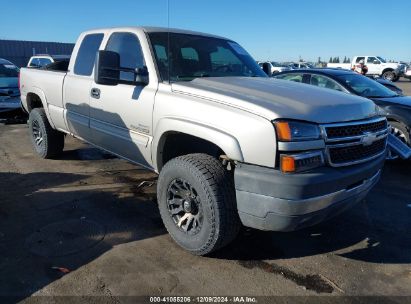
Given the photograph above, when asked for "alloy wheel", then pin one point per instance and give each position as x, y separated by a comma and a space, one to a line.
184, 206
37, 133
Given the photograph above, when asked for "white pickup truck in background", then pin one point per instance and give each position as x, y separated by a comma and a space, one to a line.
38, 61
377, 66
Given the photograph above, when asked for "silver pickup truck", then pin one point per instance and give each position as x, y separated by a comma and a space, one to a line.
231, 146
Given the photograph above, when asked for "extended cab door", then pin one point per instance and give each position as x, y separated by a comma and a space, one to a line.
77, 84
121, 115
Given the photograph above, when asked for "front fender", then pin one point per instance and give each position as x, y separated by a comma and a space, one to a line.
224, 141
399, 113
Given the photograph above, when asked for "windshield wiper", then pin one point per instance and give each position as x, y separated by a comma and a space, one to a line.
193, 76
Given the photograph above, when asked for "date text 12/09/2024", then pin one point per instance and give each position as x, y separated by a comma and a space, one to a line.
202, 299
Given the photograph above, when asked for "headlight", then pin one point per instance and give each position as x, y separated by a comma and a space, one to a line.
381, 111
296, 131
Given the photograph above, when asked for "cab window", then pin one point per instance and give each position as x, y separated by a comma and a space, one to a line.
44, 61
128, 47
371, 60
87, 54
359, 59
35, 62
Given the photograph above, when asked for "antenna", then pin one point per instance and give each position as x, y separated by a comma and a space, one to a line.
168, 40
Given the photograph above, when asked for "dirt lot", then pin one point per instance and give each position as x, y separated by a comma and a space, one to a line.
87, 225
405, 84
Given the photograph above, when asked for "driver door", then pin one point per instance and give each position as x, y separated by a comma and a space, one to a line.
121, 115
373, 66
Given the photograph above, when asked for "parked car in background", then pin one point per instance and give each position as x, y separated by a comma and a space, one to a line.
388, 84
376, 66
407, 73
231, 145
39, 61
275, 66
300, 65
396, 107
10, 105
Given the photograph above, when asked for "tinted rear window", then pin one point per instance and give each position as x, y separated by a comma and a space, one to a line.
87, 54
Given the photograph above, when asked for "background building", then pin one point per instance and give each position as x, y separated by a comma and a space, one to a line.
19, 52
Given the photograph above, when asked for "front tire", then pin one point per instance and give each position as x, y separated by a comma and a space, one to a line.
400, 131
389, 75
46, 141
196, 199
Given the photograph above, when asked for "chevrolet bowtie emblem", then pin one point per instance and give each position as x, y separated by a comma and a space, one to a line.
368, 139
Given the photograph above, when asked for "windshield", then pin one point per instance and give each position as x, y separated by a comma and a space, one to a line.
8, 70
366, 87
193, 56
381, 59
276, 64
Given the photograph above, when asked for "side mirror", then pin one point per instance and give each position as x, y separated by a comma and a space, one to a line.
107, 68
267, 69
376, 62
141, 76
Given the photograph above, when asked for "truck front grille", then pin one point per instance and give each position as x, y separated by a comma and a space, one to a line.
355, 130
354, 153
355, 142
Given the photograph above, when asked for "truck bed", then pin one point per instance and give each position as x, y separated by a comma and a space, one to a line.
47, 84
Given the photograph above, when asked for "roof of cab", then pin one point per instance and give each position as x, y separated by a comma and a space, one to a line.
152, 29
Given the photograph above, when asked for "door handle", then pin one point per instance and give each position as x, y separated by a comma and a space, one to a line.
95, 93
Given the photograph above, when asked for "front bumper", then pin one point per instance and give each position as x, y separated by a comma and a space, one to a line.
270, 200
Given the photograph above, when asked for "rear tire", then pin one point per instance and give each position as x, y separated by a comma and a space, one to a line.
196, 199
46, 141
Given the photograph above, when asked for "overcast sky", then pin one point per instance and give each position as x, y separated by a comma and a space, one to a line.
269, 30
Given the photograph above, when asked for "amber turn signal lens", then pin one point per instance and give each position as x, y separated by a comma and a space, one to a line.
283, 130
287, 164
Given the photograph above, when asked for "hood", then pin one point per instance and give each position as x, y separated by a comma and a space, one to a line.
274, 98
400, 100
391, 65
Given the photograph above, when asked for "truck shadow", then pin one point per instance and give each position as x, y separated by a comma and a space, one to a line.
375, 231
49, 225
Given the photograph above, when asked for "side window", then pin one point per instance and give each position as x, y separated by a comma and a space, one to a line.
162, 60
359, 59
371, 60
189, 53
87, 54
296, 77
128, 47
44, 61
34, 62
325, 82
